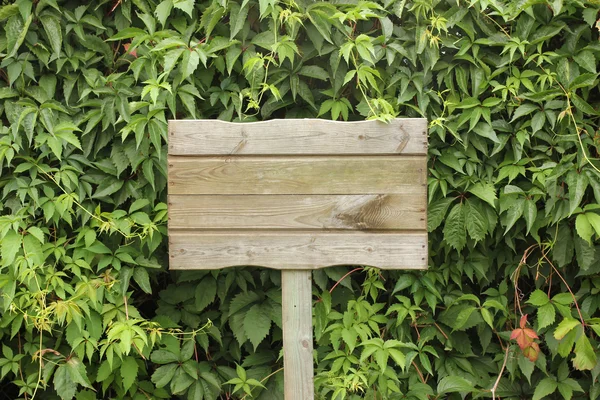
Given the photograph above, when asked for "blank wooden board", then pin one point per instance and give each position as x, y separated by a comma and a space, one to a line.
302, 212
293, 136
297, 194
297, 249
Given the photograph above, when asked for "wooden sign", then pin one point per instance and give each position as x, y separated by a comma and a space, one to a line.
295, 195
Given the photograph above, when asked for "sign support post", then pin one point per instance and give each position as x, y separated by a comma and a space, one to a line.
296, 292
296, 195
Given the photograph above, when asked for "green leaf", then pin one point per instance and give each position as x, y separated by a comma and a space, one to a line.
545, 316
186, 6
526, 366
162, 12
578, 183
565, 326
53, 31
585, 253
181, 381
129, 372
455, 230
476, 221
163, 357
485, 191
562, 251
36, 233
453, 384
538, 298
63, 383
585, 357
530, 213
515, 212
524, 109
16, 31
11, 244
141, 277
546, 387
163, 375
586, 60
314, 71
436, 213
584, 228
239, 16
189, 63
257, 324
206, 291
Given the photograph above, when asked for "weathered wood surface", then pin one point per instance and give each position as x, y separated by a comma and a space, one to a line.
297, 136
297, 249
297, 175
370, 211
296, 302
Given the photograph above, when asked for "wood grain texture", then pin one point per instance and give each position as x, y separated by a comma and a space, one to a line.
296, 302
297, 175
297, 136
361, 212
297, 250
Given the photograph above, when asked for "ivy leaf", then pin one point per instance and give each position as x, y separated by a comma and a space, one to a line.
526, 366
586, 60
63, 383
238, 18
453, 384
514, 213
206, 291
562, 252
585, 253
163, 357
585, 357
163, 10
52, 28
436, 213
181, 381
196, 391
189, 63
163, 375
545, 316
524, 109
577, 182
546, 387
485, 191
314, 71
141, 277
584, 228
11, 244
257, 324
565, 326
129, 371
455, 231
16, 31
476, 221
187, 6
530, 213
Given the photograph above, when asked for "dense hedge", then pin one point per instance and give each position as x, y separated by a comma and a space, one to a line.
509, 306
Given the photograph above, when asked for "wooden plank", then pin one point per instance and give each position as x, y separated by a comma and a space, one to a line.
296, 301
297, 175
297, 250
362, 212
297, 136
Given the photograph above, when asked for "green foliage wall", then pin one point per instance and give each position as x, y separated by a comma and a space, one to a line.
509, 306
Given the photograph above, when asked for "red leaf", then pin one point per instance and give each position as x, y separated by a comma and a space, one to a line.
523, 321
531, 333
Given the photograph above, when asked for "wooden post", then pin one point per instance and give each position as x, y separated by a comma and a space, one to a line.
296, 286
